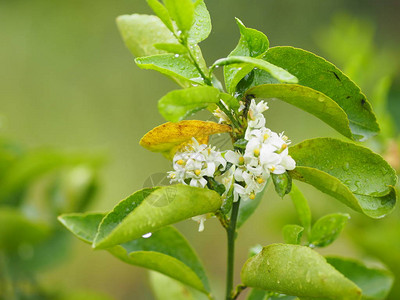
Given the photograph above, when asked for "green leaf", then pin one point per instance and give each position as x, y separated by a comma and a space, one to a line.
179, 104
301, 206
298, 271
162, 13
166, 288
182, 11
230, 101
256, 294
282, 183
150, 209
171, 48
252, 43
141, 32
201, 27
327, 229
175, 66
240, 62
307, 99
351, 173
374, 282
318, 74
292, 234
165, 251
247, 208
16, 229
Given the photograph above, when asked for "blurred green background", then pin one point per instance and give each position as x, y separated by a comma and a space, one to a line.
68, 82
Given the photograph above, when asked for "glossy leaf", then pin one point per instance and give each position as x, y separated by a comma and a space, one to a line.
307, 99
172, 65
162, 13
247, 208
165, 251
169, 137
351, 173
141, 32
374, 282
327, 229
171, 48
317, 73
252, 43
298, 271
292, 234
151, 209
240, 62
16, 229
182, 11
179, 104
201, 27
301, 205
282, 183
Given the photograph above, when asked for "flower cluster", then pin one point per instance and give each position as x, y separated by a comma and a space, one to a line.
266, 152
194, 163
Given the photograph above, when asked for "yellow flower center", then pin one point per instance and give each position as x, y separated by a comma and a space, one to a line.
252, 196
241, 160
197, 172
180, 162
284, 146
260, 180
266, 136
257, 152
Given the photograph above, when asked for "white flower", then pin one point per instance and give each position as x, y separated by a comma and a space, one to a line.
200, 219
256, 118
223, 118
194, 163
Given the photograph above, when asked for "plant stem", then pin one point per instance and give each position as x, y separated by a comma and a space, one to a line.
231, 235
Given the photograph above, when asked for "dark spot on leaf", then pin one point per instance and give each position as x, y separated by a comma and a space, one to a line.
336, 75
348, 97
363, 101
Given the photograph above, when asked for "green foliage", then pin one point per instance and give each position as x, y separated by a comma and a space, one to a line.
174, 66
150, 209
375, 282
182, 12
16, 230
252, 43
282, 183
299, 271
292, 234
201, 27
141, 32
327, 229
315, 72
165, 251
240, 62
138, 229
165, 288
177, 105
351, 173
307, 99
162, 13
302, 208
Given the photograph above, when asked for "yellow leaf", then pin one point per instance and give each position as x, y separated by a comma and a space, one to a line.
170, 137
